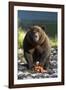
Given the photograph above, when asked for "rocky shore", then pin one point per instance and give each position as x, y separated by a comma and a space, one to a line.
23, 73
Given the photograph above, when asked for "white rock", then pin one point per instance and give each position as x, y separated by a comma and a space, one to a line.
20, 51
20, 73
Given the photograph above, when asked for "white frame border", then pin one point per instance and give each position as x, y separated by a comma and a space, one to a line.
45, 80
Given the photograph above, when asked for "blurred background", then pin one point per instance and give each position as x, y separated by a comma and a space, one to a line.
27, 19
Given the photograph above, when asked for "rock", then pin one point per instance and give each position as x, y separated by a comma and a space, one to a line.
19, 61
22, 76
33, 75
21, 56
55, 70
54, 52
53, 75
55, 57
20, 73
28, 76
52, 49
26, 73
46, 75
20, 51
22, 67
50, 71
23, 60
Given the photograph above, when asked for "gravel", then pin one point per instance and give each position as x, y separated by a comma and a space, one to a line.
24, 73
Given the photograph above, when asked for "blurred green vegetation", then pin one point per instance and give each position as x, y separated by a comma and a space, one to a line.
53, 42
21, 35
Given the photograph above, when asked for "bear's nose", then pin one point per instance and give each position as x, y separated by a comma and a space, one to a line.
36, 35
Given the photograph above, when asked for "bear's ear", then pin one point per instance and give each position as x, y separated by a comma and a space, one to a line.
43, 27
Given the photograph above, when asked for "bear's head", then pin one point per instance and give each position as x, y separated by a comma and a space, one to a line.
35, 34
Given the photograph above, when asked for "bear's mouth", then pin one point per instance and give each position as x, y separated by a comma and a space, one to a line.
34, 38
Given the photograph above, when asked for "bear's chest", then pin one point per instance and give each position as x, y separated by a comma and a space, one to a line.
36, 55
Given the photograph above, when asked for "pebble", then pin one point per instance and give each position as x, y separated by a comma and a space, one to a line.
54, 52
20, 73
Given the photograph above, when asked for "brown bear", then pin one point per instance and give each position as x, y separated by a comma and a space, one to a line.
36, 47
